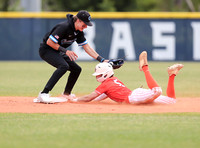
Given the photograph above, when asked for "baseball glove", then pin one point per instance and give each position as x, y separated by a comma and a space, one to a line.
116, 63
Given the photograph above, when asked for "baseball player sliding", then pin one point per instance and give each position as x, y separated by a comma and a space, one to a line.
113, 88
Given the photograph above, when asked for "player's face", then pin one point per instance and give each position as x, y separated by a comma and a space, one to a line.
81, 25
98, 76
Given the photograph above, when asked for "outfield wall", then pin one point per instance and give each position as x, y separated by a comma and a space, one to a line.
166, 36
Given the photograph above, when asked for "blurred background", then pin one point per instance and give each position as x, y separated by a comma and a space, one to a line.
101, 5
168, 29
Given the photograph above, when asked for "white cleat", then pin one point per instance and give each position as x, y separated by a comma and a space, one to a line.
44, 98
174, 69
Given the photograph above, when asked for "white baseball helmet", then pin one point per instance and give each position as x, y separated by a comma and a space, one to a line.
103, 69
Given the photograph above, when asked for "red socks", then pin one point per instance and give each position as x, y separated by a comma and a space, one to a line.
170, 87
152, 83
149, 79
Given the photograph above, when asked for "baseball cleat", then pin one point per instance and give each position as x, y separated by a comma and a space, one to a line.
45, 98
174, 69
143, 60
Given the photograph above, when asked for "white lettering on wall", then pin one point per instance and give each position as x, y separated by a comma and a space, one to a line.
89, 35
122, 39
196, 40
160, 40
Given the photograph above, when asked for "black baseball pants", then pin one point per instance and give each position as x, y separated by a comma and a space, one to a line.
63, 64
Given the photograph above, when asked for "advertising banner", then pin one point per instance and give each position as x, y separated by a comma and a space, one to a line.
165, 39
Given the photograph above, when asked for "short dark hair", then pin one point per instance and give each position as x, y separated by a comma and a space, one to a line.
75, 18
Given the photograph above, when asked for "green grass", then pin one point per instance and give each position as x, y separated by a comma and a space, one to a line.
100, 130
29, 78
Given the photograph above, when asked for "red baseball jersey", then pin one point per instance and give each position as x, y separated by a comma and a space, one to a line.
114, 89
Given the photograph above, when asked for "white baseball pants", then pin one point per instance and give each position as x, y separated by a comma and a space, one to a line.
141, 95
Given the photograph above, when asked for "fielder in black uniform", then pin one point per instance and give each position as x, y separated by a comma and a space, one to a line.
53, 51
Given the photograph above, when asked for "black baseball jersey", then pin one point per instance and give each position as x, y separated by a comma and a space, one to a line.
65, 34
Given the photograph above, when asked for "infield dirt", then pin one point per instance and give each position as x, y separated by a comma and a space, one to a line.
26, 105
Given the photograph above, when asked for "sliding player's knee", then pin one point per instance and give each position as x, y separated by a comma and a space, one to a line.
157, 91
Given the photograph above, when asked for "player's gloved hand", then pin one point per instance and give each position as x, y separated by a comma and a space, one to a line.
116, 63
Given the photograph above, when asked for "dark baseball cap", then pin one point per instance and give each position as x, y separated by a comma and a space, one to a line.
84, 16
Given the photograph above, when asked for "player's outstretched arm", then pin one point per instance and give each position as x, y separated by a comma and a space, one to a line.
90, 51
86, 98
101, 97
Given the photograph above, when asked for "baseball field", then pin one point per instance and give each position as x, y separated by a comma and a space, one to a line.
104, 124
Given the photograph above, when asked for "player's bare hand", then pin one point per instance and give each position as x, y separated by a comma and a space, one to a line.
72, 55
72, 99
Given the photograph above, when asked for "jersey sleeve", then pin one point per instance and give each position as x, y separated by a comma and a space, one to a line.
101, 89
57, 33
81, 40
